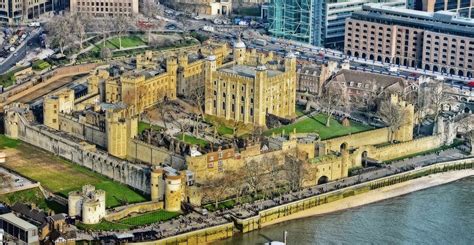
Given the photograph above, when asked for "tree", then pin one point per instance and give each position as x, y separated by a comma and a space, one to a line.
59, 29
79, 25
105, 53
218, 188
437, 98
121, 26
102, 26
334, 97
253, 175
295, 171
272, 169
393, 115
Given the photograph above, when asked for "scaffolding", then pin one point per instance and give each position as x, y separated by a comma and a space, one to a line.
291, 19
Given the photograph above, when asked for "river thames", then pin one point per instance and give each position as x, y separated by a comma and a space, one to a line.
439, 215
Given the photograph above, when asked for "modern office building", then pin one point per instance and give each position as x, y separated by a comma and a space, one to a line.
15, 11
25, 232
103, 8
440, 41
465, 8
318, 22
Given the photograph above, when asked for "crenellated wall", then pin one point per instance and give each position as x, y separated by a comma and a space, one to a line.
141, 151
69, 148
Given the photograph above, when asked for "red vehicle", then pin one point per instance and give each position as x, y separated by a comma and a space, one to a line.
470, 84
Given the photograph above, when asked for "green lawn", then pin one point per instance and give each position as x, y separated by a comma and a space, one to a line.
6, 142
143, 125
149, 218
192, 140
40, 65
299, 110
129, 223
127, 42
32, 196
61, 176
222, 205
317, 124
103, 226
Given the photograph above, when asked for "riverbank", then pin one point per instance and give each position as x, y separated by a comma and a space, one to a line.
378, 195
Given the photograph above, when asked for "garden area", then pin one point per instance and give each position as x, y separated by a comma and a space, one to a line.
40, 65
317, 124
6, 142
132, 222
189, 139
32, 196
133, 44
61, 176
143, 125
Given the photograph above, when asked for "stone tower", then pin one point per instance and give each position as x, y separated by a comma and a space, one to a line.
405, 131
239, 52
172, 70
157, 187
120, 128
173, 193
51, 112
259, 105
210, 68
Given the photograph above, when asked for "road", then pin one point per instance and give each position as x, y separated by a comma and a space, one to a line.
21, 52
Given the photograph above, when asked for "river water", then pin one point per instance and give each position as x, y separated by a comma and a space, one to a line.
438, 215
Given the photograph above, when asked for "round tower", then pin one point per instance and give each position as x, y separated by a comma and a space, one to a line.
89, 212
74, 203
155, 180
173, 193
239, 51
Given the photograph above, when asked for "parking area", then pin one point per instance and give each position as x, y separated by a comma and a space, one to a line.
11, 182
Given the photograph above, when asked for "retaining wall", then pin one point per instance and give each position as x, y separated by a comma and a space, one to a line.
264, 216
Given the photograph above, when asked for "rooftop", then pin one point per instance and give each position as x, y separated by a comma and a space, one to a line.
11, 218
247, 71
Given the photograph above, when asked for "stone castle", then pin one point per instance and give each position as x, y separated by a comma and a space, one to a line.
98, 129
89, 204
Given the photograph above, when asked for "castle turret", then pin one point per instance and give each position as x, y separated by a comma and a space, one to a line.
210, 68
51, 112
74, 203
259, 104
157, 187
290, 62
173, 193
239, 52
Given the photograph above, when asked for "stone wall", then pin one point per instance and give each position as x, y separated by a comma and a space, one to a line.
267, 215
202, 236
372, 137
82, 130
406, 148
134, 208
31, 86
141, 151
69, 148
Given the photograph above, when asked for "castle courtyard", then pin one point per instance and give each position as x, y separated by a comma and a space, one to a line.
60, 176
317, 124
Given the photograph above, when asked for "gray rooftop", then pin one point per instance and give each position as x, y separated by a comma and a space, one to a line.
11, 218
441, 21
247, 71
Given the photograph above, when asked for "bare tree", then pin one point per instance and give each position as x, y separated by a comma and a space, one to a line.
253, 175
219, 188
272, 169
105, 53
59, 29
333, 98
121, 26
437, 98
393, 115
102, 26
295, 171
79, 25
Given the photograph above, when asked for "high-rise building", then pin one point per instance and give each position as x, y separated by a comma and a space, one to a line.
318, 22
465, 8
103, 8
441, 41
15, 11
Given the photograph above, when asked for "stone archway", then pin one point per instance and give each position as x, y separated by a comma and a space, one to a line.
323, 180
344, 146
364, 157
